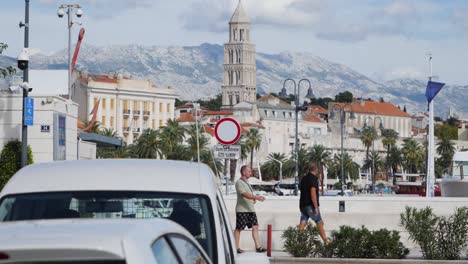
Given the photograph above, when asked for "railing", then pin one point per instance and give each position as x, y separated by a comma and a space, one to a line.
136, 112
126, 130
126, 111
136, 130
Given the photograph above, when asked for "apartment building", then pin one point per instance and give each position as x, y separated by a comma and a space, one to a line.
128, 106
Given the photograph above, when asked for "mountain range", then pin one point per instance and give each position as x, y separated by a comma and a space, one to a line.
196, 72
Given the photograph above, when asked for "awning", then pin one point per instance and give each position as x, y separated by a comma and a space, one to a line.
102, 141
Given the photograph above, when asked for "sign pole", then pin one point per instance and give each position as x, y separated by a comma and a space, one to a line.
228, 170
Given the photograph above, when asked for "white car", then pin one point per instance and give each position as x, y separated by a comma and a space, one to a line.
184, 192
107, 241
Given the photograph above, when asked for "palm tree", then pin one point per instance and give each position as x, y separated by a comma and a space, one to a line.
108, 132
271, 168
389, 139
413, 155
172, 135
96, 128
367, 135
394, 161
350, 168
320, 156
446, 150
378, 163
253, 141
303, 160
148, 145
192, 141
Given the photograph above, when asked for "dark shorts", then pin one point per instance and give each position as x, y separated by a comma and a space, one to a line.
246, 219
308, 212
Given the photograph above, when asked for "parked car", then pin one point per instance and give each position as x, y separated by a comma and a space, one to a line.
184, 192
108, 241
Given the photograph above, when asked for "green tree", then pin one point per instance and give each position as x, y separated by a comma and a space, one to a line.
389, 139
172, 135
394, 161
378, 163
96, 128
321, 156
212, 104
446, 150
367, 135
450, 132
350, 168
108, 132
148, 145
344, 97
192, 141
4, 72
10, 160
253, 140
413, 155
271, 168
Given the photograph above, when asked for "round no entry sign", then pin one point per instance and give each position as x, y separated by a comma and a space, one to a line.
227, 131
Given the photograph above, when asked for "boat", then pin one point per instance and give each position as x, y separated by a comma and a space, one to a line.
456, 184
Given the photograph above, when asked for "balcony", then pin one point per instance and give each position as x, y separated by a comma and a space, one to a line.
136, 113
146, 114
126, 130
136, 130
126, 112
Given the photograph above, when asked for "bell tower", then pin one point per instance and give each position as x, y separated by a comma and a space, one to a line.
239, 77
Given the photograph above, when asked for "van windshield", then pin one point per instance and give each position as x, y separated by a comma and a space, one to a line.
192, 211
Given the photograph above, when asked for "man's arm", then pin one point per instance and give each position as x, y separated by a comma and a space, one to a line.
313, 194
251, 196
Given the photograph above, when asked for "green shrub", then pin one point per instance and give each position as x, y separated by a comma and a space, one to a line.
438, 237
349, 242
302, 243
10, 160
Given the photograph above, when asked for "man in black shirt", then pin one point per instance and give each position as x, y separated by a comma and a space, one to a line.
309, 201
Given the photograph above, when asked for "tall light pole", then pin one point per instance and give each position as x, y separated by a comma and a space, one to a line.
298, 108
374, 135
60, 13
342, 109
24, 127
281, 168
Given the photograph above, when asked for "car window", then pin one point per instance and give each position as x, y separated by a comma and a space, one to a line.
187, 251
163, 252
192, 211
229, 255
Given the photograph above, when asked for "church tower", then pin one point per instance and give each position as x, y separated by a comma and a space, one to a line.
239, 77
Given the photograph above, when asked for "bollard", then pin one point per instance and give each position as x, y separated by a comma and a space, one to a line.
341, 207
269, 241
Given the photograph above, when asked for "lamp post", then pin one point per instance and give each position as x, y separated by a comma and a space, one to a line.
381, 127
298, 108
281, 168
60, 13
24, 127
342, 109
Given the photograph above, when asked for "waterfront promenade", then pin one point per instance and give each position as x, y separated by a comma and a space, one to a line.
374, 212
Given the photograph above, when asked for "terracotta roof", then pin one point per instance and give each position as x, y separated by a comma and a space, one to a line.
209, 130
311, 117
317, 109
220, 112
376, 108
247, 124
100, 78
266, 98
186, 117
185, 106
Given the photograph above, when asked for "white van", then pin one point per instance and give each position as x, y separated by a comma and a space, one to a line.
184, 192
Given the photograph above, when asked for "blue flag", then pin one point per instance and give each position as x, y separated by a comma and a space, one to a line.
433, 89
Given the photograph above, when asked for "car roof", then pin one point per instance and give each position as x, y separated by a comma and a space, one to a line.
113, 174
78, 238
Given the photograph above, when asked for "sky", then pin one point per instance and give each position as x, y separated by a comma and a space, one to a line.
383, 39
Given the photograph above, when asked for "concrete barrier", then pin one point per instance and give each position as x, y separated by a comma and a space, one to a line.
373, 212
284, 260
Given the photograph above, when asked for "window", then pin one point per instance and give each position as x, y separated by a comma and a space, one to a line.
168, 108
186, 250
266, 112
160, 107
103, 121
154, 107
163, 252
136, 106
160, 123
317, 131
112, 103
95, 101
225, 229
153, 123
112, 121
103, 103
192, 211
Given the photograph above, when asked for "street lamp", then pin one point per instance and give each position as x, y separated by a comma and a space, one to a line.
23, 65
381, 127
298, 108
342, 109
60, 13
281, 169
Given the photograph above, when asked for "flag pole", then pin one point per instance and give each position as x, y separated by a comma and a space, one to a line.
430, 177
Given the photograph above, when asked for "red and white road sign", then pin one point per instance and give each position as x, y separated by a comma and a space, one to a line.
227, 131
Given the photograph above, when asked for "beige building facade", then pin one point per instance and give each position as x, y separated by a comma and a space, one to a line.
127, 106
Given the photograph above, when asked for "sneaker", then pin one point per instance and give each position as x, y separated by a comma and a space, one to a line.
260, 250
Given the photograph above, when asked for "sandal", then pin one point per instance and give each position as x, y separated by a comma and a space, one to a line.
240, 251
260, 250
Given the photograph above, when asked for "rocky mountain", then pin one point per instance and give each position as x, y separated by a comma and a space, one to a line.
196, 72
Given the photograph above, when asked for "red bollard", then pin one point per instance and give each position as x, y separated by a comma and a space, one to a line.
269, 241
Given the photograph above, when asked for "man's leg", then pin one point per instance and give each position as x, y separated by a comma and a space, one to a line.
237, 237
323, 235
255, 236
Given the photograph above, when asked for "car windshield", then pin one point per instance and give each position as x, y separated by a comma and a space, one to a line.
189, 210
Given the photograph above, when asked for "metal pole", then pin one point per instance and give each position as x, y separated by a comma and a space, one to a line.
228, 171
430, 144
373, 165
342, 151
296, 154
24, 128
70, 24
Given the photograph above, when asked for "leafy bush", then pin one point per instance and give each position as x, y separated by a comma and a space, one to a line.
350, 242
438, 237
10, 160
302, 243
